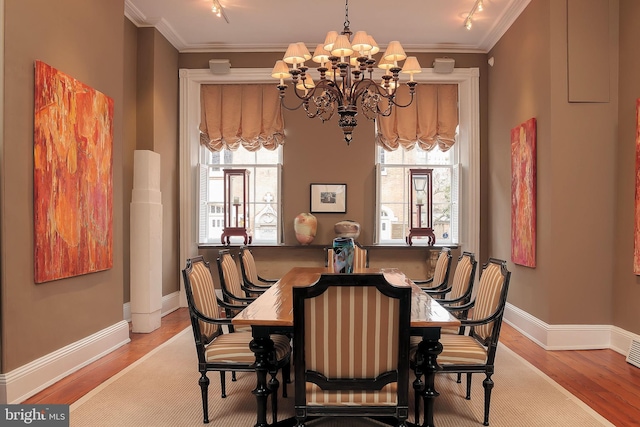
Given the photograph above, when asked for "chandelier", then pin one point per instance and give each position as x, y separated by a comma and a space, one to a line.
345, 77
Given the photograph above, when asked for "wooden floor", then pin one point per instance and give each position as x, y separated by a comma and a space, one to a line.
600, 378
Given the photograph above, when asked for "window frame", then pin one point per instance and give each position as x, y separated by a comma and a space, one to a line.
381, 170
204, 201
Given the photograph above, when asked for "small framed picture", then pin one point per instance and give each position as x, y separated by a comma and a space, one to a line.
328, 198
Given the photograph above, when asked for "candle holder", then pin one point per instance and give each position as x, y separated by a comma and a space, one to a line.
236, 208
420, 198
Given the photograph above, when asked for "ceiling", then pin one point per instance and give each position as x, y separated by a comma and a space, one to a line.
269, 26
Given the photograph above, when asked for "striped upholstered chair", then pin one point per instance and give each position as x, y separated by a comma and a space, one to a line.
475, 350
252, 282
219, 351
440, 276
230, 282
459, 293
360, 257
337, 375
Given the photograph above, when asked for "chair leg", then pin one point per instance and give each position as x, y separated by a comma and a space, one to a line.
286, 378
468, 397
273, 386
488, 385
459, 379
223, 384
417, 391
204, 388
233, 375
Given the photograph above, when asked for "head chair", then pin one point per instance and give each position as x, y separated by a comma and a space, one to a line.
360, 257
337, 375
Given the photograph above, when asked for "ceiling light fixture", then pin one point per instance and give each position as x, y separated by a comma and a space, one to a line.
218, 10
343, 81
478, 6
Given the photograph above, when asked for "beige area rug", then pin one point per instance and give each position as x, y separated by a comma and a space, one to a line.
162, 390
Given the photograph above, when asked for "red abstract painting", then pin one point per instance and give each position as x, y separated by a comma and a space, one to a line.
73, 198
523, 193
636, 229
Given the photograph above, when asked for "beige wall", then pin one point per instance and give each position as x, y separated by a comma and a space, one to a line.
130, 139
85, 40
626, 285
572, 283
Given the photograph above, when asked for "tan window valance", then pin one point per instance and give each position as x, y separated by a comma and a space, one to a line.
232, 115
431, 119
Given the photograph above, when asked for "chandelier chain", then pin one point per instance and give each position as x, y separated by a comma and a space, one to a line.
347, 24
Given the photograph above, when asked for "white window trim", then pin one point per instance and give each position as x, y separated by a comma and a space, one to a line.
190, 81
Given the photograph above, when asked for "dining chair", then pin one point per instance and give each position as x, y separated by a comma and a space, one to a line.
440, 276
475, 350
360, 257
230, 283
336, 374
459, 293
251, 280
222, 351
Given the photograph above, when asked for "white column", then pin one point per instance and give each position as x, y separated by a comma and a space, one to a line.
146, 242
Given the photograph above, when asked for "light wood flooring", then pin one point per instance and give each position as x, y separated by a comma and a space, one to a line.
600, 378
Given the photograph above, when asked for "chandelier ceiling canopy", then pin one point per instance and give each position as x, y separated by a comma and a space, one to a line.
345, 77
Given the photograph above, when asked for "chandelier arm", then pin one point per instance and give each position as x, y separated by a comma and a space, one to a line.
392, 100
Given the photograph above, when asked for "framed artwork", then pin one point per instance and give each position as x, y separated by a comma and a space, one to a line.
73, 161
636, 227
523, 193
328, 198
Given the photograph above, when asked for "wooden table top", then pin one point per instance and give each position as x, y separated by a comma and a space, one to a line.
275, 306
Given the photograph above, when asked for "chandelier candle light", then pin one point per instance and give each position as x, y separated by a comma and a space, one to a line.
343, 81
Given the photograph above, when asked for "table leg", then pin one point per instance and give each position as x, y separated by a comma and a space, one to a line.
429, 348
262, 346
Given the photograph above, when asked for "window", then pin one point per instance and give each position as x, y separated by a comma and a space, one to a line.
393, 188
264, 193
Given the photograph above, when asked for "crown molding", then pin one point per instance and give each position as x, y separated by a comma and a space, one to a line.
505, 21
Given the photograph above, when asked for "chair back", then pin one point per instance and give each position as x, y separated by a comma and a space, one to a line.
463, 279
351, 337
201, 299
443, 265
229, 277
490, 300
360, 257
248, 265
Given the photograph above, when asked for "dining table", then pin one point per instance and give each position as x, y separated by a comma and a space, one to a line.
272, 313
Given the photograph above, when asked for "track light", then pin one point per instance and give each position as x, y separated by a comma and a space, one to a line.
478, 6
218, 10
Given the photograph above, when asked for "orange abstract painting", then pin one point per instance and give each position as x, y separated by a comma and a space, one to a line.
523, 193
636, 229
73, 199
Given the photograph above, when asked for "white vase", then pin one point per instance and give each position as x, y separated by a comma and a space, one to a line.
305, 226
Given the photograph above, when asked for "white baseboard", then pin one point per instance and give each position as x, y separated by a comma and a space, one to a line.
22, 383
170, 303
569, 337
